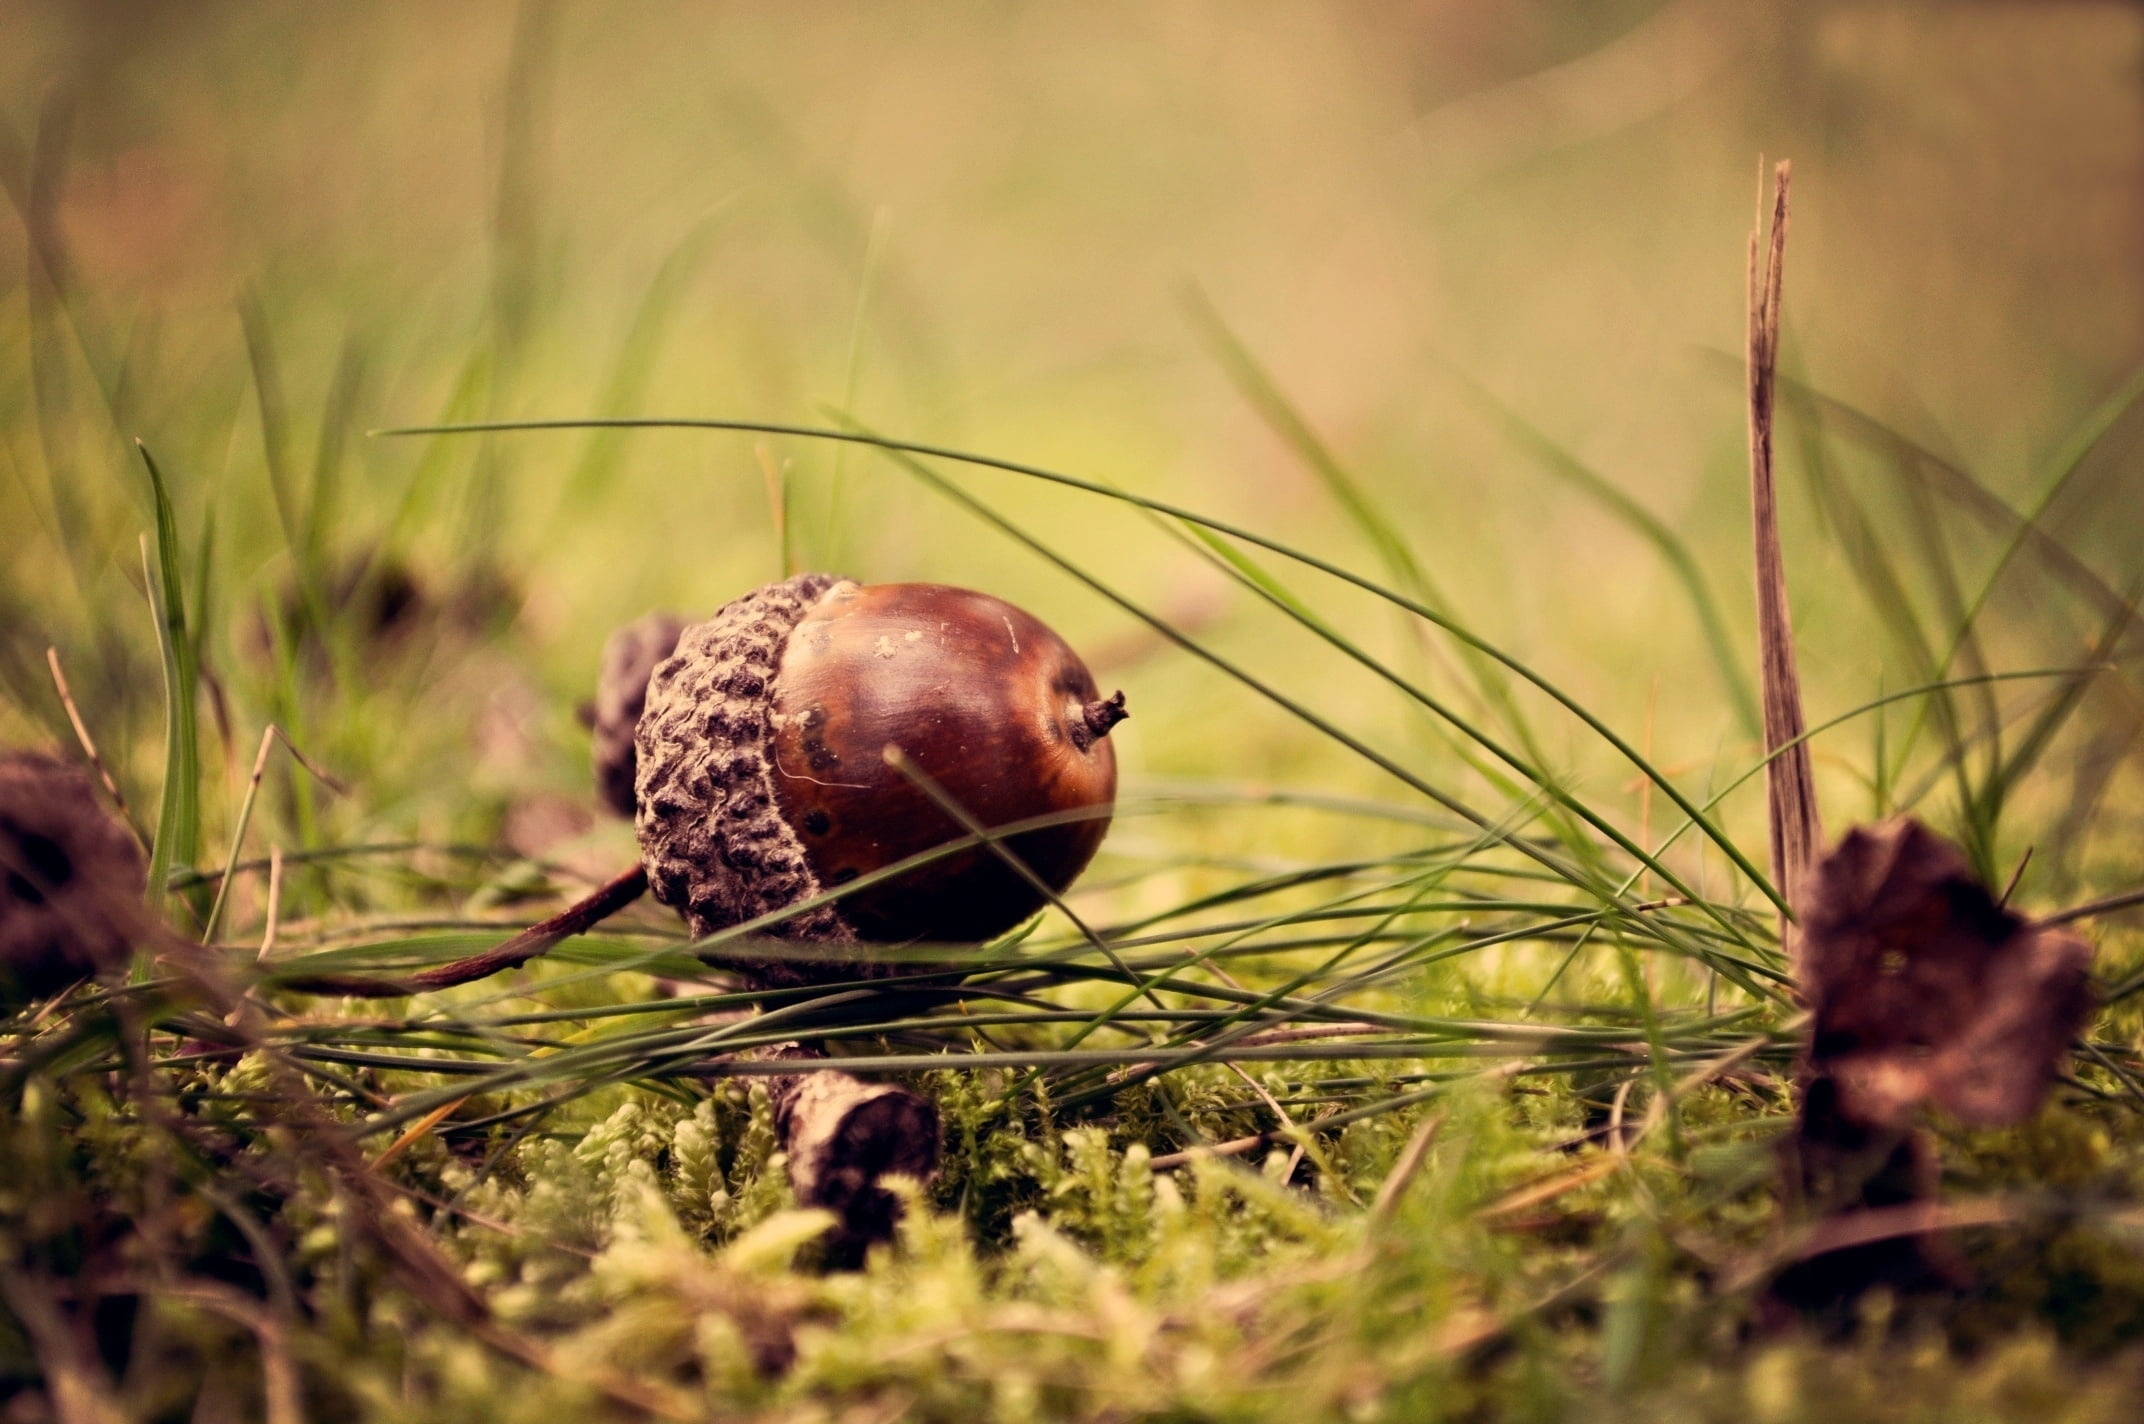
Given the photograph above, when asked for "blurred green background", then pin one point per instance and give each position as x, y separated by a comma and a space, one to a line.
1451, 234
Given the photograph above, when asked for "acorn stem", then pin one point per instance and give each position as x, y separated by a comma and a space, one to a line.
1096, 718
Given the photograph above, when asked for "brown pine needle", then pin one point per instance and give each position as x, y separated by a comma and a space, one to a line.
1547, 1190
1234, 1147
1409, 1165
416, 1132
2092, 909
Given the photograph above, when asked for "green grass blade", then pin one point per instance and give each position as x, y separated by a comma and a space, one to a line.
275, 427
1265, 397
2012, 770
1257, 387
1868, 557
1649, 526
1734, 853
178, 820
635, 359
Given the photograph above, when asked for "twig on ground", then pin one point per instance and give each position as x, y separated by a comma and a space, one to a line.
540, 938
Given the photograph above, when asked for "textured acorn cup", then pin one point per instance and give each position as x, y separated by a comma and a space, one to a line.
762, 775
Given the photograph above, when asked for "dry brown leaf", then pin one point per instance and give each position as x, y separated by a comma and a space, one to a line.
1925, 990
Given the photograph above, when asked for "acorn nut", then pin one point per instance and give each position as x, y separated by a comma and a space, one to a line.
761, 776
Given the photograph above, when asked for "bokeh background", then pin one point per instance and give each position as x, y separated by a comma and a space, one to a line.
1458, 238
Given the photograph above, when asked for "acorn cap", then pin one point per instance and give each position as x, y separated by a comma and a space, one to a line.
711, 832
629, 660
71, 880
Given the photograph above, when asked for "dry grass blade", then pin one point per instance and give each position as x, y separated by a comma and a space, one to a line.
270, 735
78, 1386
89, 744
1409, 1164
1796, 827
2092, 909
1234, 1147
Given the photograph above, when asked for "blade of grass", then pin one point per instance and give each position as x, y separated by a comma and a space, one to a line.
2022, 533
851, 373
1259, 390
89, 744
346, 390
1622, 747
1241, 568
178, 821
1869, 559
274, 413
270, 735
1556, 793
1995, 790
635, 358
1681, 562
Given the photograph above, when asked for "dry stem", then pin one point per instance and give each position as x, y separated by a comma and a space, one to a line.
538, 939
1796, 827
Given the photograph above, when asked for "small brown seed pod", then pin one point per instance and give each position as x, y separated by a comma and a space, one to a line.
71, 880
629, 658
762, 777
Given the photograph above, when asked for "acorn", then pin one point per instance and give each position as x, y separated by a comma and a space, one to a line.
629, 659
762, 776
71, 880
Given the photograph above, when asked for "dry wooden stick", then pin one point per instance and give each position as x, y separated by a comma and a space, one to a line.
275, 901
532, 943
1797, 829
538, 939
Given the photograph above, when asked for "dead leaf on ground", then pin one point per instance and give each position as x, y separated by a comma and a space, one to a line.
1925, 990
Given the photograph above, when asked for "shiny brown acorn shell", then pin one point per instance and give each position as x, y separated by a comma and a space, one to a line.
981, 697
